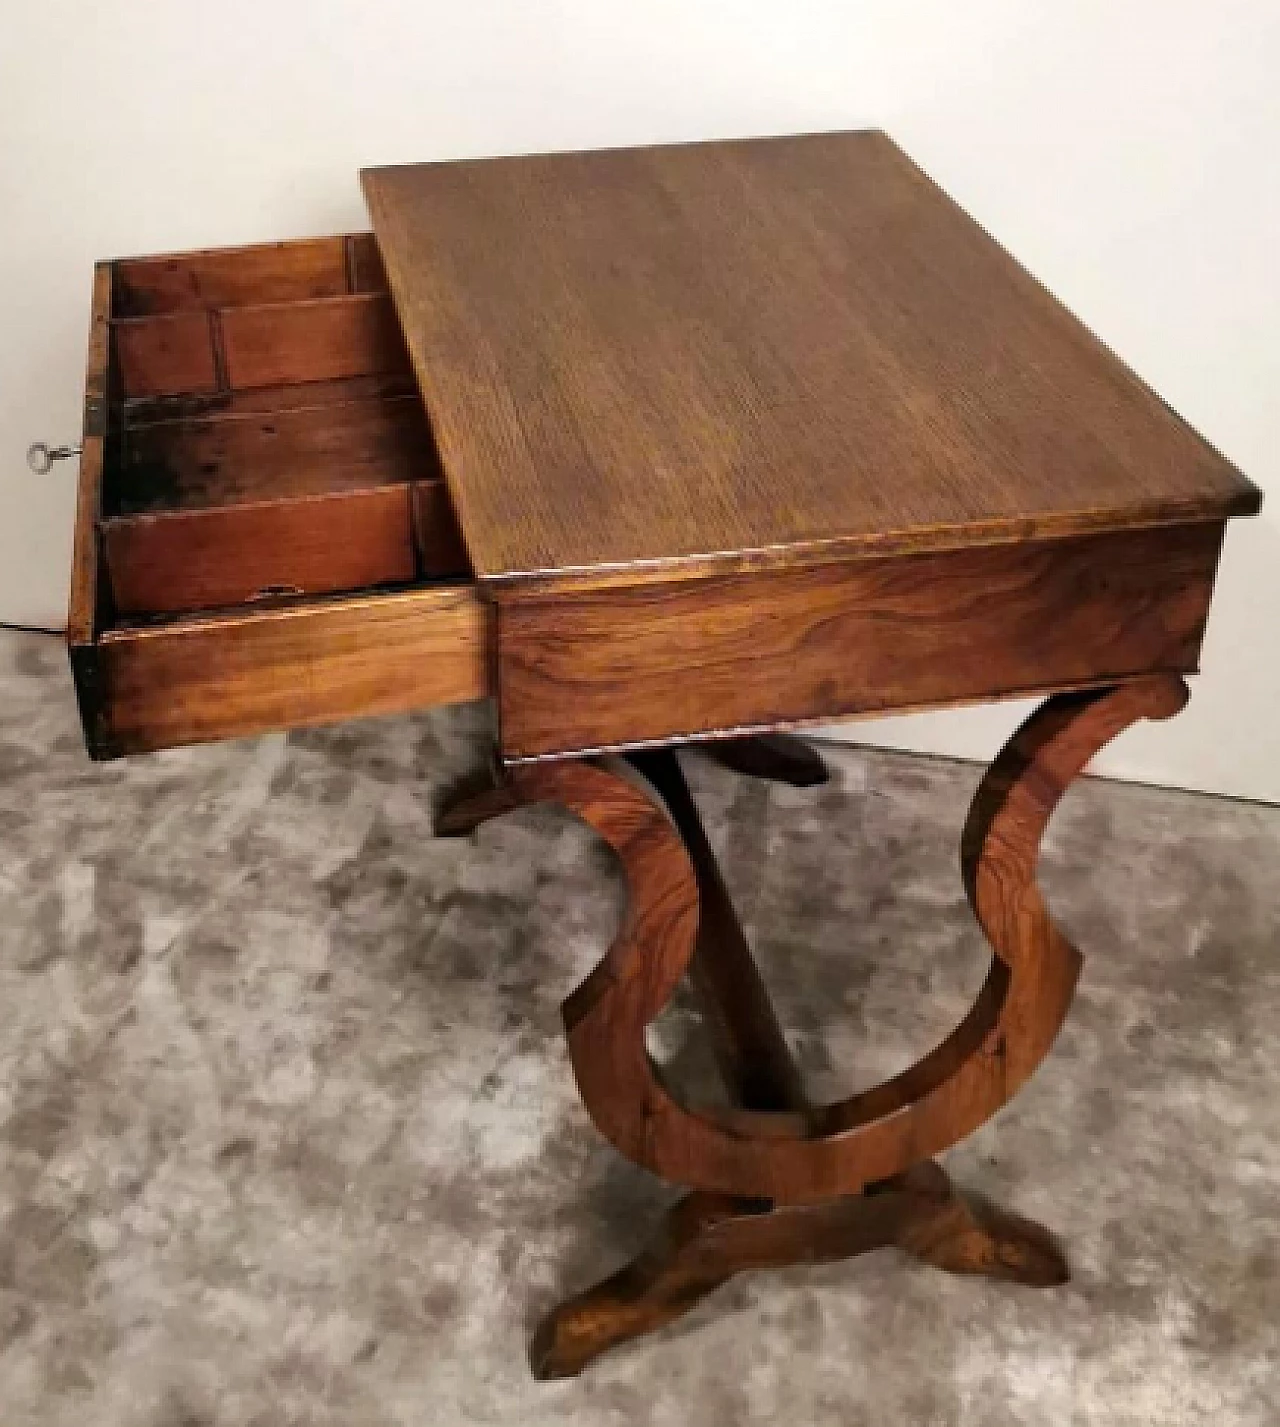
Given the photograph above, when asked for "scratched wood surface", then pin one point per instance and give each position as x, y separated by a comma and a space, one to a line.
764, 351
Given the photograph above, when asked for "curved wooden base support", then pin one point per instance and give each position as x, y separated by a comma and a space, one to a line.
709, 1238
781, 1179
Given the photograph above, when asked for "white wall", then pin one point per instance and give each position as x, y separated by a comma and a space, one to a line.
1129, 153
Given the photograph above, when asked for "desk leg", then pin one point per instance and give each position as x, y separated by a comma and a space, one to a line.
779, 1180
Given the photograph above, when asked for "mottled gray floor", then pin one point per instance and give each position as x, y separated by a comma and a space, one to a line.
287, 1132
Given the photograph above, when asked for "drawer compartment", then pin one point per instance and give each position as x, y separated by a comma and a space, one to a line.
263, 536
232, 507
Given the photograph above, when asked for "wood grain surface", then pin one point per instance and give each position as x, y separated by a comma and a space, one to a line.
807, 1153
225, 507
707, 1239
233, 277
616, 666
322, 339
239, 674
229, 554
758, 352
281, 455
82, 613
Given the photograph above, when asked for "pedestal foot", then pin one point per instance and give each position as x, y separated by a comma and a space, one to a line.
709, 1238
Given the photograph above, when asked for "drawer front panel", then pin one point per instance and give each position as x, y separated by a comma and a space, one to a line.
672, 661
248, 673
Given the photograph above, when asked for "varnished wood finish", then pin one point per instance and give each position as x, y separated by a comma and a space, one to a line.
235, 319
672, 661
168, 355
824, 1151
782, 1180
277, 344
708, 1239
302, 662
284, 454
768, 351
739, 435
750, 1048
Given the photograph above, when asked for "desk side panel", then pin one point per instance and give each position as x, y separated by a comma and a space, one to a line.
666, 663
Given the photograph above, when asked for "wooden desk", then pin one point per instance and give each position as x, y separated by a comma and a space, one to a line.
659, 446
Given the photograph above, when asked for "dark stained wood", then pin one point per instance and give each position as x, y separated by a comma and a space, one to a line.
82, 614
708, 1239
748, 1042
243, 457
1022, 1004
136, 412
320, 340
272, 497
279, 344
755, 1061
232, 676
818, 1152
175, 316
232, 277
441, 553
365, 270
741, 435
762, 352
771, 757
675, 661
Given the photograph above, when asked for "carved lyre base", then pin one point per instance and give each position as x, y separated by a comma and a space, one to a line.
778, 1180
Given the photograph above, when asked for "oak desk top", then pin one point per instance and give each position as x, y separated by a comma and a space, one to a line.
771, 352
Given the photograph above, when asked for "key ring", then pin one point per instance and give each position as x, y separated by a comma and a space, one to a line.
41, 456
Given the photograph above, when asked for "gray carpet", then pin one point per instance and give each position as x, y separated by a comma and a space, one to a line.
288, 1134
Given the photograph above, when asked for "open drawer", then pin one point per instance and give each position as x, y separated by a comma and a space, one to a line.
263, 536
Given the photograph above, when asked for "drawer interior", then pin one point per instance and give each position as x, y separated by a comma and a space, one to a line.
259, 475
267, 437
